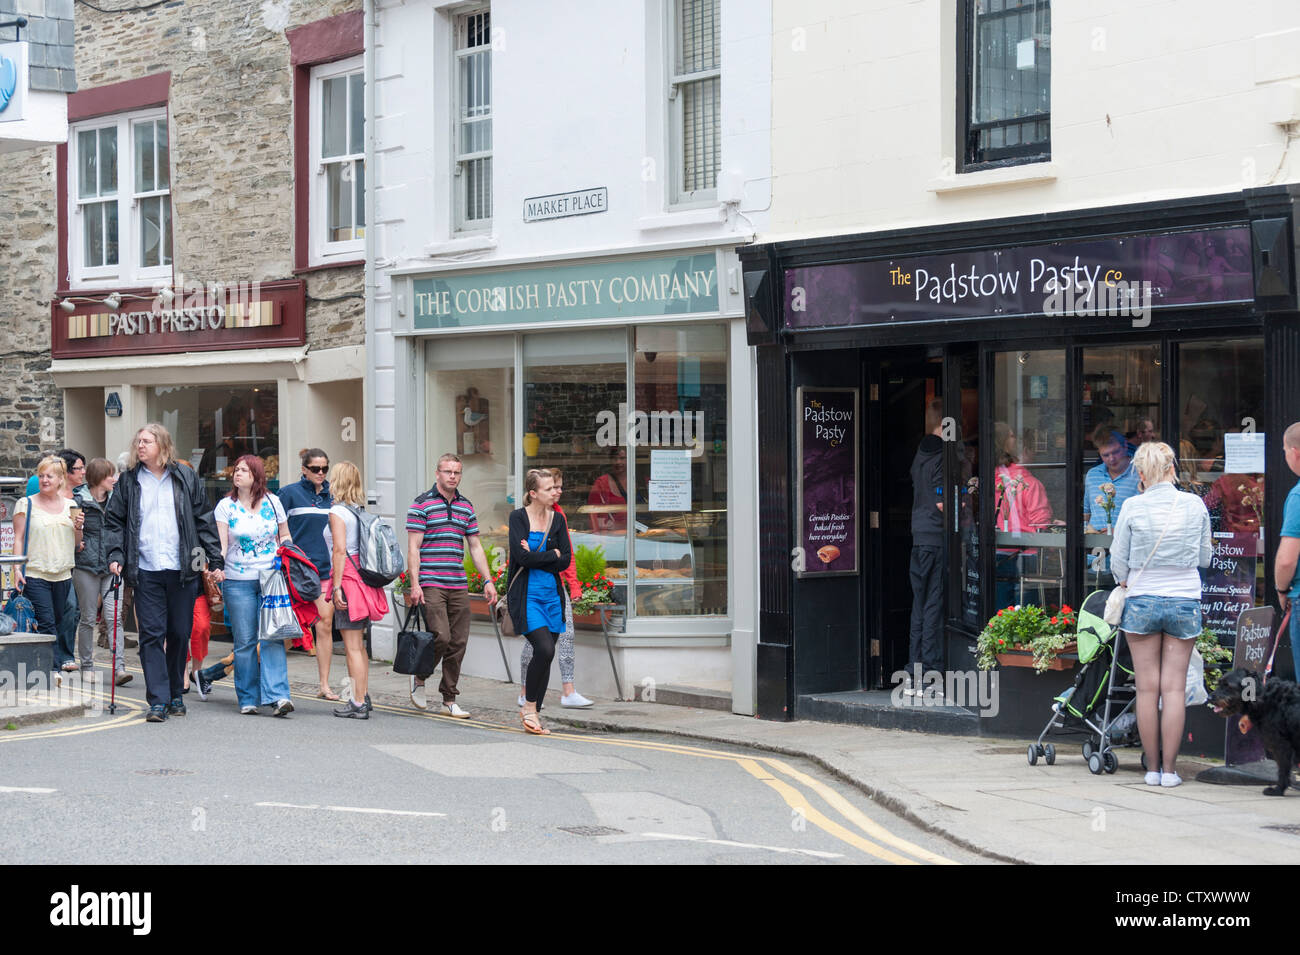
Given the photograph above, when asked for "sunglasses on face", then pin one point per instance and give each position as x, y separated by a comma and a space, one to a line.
316, 468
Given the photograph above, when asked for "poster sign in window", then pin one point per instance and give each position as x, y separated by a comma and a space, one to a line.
1254, 637
669, 495
1243, 453
1228, 584
827, 486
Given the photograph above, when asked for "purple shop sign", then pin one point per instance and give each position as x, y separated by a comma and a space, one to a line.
827, 483
1116, 276
1228, 584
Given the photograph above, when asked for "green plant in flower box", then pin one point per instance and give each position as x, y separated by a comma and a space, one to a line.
1037, 630
1217, 658
495, 563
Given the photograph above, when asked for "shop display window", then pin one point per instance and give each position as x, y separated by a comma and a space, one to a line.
1029, 456
212, 427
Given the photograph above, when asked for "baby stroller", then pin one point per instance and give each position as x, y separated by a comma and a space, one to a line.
1099, 706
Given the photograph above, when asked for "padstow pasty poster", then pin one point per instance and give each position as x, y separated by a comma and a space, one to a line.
828, 482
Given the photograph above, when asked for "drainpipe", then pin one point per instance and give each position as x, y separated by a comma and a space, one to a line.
371, 24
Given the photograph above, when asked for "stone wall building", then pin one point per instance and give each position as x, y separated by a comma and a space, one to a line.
193, 253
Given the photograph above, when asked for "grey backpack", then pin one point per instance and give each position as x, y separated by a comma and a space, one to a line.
379, 560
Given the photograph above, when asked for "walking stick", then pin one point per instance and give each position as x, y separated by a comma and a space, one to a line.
114, 588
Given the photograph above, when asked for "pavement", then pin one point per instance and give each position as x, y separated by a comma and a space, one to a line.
979, 793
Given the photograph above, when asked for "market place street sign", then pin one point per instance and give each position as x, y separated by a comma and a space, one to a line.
561, 205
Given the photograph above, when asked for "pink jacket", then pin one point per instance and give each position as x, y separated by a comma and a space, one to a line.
1024, 507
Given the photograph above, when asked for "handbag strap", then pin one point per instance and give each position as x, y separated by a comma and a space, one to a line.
1172, 507
550, 520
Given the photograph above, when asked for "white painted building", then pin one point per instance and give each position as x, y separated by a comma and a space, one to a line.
558, 193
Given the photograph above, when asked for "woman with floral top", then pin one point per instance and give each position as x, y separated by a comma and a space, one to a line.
252, 524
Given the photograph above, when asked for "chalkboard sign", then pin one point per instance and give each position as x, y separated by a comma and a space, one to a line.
1254, 643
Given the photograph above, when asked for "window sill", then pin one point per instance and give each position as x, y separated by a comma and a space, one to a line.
673, 220
474, 243
322, 266
1028, 174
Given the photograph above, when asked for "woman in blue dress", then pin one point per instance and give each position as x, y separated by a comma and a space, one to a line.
539, 550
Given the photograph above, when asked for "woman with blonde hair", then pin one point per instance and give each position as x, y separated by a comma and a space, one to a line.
1165, 533
355, 601
48, 534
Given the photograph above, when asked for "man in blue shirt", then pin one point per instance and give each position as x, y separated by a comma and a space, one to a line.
1285, 578
1116, 468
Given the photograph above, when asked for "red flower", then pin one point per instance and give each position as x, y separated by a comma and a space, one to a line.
1054, 620
1066, 609
999, 613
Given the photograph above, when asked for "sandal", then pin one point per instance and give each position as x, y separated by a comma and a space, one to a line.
328, 695
533, 725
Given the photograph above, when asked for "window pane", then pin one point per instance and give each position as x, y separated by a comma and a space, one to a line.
108, 162
476, 136
475, 85
87, 164
698, 35
470, 400
1029, 464
680, 545
1221, 389
356, 114
93, 226
164, 156
1011, 71
334, 116
144, 158
338, 200
478, 189
167, 229
110, 233
574, 389
359, 194
701, 133
150, 231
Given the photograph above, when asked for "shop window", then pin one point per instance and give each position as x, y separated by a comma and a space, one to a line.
575, 407
1006, 109
212, 427
1029, 460
338, 203
1220, 449
119, 180
471, 399
473, 133
695, 98
1121, 408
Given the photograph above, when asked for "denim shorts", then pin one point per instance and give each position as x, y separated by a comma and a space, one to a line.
1177, 616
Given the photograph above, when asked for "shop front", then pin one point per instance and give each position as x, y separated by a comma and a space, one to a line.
1051, 348
620, 373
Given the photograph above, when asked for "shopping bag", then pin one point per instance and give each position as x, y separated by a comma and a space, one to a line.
415, 654
276, 619
1196, 692
21, 610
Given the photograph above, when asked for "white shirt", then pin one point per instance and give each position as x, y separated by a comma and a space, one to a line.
160, 538
350, 526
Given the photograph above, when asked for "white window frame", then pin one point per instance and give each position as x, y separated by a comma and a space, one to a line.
459, 180
128, 270
320, 250
682, 197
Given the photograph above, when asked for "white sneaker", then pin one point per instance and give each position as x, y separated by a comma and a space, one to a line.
453, 710
522, 701
575, 700
1152, 778
418, 699
1170, 780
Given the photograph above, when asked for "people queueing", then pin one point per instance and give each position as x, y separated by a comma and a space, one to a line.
307, 503
252, 524
160, 533
564, 647
354, 601
440, 524
97, 589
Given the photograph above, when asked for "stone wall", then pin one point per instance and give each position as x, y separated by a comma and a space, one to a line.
231, 137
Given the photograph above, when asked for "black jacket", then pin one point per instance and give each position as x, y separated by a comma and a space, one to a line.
193, 520
92, 558
927, 488
522, 561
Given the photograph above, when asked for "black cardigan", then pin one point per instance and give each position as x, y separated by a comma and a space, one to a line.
521, 561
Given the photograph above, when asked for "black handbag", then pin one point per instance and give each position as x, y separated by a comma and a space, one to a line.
415, 652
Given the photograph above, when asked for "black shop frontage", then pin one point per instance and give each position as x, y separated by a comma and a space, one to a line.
1038, 338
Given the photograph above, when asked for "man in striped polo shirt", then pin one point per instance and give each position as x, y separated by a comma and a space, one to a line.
438, 526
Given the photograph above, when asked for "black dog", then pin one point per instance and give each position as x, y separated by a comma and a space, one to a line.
1272, 708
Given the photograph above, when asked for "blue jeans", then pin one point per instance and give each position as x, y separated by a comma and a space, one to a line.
257, 682
1295, 637
50, 601
1177, 616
